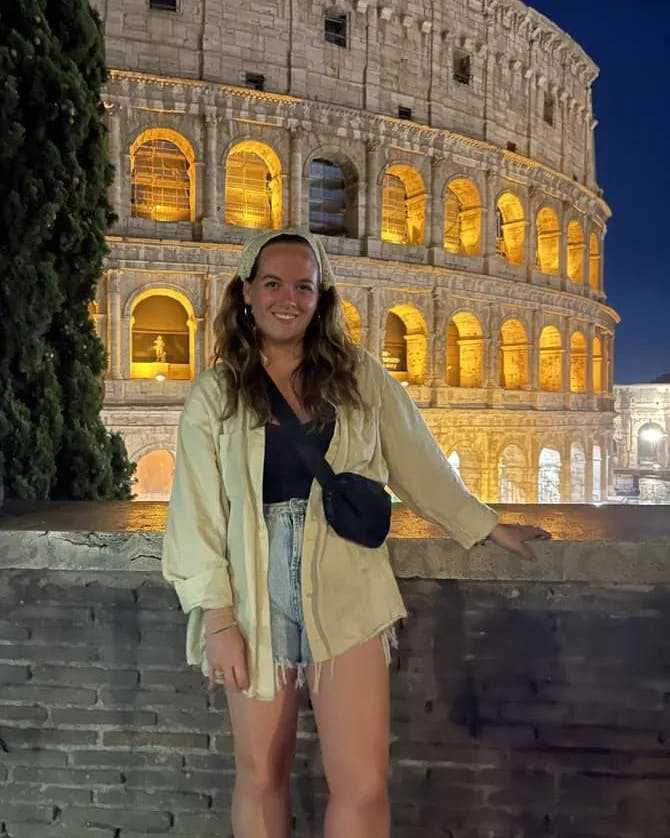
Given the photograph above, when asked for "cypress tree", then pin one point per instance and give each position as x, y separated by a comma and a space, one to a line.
54, 213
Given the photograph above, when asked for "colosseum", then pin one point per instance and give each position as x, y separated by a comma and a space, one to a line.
445, 153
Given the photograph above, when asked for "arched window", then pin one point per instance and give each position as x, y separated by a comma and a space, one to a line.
511, 235
462, 218
575, 251
253, 186
153, 477
577, 473
352, 318
594, 261
333, 198
549, 476
550, 360
513, 355
403, 206
465, 351
162, 177
577, 363
650, 442
597, 365
512, 475
405, 352
161, 339
548, 241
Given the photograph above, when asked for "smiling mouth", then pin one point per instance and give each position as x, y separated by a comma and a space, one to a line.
285, 317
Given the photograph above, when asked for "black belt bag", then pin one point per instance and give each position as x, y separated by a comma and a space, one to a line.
356, 507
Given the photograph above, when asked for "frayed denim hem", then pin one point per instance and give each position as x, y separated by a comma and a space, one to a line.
388, 637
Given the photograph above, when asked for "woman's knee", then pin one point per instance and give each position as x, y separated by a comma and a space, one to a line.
362, 791
263, 771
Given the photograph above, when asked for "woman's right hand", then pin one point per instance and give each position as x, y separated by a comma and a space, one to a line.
226, 654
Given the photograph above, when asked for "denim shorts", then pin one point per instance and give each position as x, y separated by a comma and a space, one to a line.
285, 523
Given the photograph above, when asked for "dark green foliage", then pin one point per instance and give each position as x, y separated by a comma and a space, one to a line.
54, 214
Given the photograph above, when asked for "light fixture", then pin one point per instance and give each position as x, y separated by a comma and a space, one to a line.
160, 377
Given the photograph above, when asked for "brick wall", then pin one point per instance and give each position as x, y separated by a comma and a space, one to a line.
520, 710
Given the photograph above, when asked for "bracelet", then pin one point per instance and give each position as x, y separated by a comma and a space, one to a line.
220, 630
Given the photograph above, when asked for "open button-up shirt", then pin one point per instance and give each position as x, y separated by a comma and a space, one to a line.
216, 546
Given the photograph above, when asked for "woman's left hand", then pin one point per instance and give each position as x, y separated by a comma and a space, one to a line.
513, 537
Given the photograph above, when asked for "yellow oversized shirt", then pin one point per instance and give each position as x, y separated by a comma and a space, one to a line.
216, 546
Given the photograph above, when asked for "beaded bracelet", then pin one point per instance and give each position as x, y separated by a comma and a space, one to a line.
220, 630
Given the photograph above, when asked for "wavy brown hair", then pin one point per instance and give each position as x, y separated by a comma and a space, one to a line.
327, 374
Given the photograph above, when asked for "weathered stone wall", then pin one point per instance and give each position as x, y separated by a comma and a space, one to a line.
397, 55
528, 700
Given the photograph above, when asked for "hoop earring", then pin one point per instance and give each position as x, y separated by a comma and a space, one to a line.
248, 315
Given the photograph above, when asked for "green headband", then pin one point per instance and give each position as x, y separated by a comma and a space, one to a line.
253, 247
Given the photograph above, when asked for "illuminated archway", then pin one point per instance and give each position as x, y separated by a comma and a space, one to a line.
462, 218
548, 241
577, 473
162, 338
403, 205
512, 469
353, 321
650, 444
594, 261
405, 351
253, 191
153, 477
549, 476
597, 365
513, 355
577, 363
162, 176
550, 360
511, 228
333, 196
465, 351
575, 265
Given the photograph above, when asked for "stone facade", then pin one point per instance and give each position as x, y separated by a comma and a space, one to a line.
445, 151
642, 442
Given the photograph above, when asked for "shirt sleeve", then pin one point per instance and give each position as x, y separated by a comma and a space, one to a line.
194, 545
420, 474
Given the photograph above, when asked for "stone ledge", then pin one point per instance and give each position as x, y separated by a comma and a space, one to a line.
617, 544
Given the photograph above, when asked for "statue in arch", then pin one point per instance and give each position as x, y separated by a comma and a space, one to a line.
159, 349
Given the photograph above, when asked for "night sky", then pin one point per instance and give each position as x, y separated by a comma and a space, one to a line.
628, 40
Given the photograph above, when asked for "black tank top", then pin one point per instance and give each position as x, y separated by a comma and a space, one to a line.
285, 476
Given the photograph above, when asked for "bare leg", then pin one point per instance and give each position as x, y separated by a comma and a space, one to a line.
352, 713
264, 736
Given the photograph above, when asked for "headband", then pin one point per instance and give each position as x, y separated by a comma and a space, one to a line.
253, 247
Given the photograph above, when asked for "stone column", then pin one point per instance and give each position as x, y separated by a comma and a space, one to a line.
436, 234
563, 247
373, 189
566, 471
211, 186
375, 334
199, 360
114, 150
588, 472
489, 221
530, 239
296, 214
114, 324
212, 304
436, 343
590, 333
534, 353
565, 358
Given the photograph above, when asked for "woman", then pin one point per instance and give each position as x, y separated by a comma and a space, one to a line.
272, 592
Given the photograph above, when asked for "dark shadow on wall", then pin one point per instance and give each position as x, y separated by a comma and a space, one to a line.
490, 664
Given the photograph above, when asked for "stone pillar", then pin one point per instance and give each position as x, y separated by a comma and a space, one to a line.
296, 214
534, 352
530, 238
212, 305
590, 333
211, 186
114, 151
199, 360
566, 471
491, 352
489, 221
436, 232
563, 247
436, 343
588, 473
375, 326
127, 322
373, 190
114, 324
565, 357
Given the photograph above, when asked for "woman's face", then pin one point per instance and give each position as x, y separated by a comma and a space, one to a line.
284, 292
